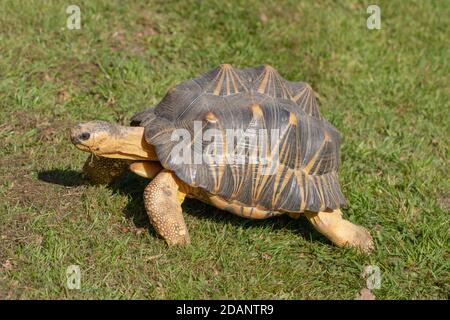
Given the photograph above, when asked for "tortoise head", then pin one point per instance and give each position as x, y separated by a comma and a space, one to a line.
98, 137
112, 140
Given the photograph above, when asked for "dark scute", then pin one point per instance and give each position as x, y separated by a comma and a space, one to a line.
289, 198
175, 104
313, 199
306, 98
253, 74
140, 117
227, 184
245, 192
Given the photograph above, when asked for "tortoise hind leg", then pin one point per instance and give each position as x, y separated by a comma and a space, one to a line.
100, 170
163, 198
341, 232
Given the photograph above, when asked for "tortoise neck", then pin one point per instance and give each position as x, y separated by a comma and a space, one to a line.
129, 143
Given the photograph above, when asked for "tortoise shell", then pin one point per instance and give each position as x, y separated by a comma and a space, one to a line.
300, 168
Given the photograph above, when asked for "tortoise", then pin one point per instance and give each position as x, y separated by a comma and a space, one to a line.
292, 172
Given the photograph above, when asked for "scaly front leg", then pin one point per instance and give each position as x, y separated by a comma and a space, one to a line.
163, 198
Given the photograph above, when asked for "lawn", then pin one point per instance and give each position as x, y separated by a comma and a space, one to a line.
385, 90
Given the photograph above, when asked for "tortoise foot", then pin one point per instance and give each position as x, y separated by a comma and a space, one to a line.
341, 232
357, 237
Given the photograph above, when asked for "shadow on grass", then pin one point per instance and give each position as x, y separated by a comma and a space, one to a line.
133, 186
67, 178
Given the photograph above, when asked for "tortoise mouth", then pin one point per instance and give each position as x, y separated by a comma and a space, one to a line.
80, 137
83, 147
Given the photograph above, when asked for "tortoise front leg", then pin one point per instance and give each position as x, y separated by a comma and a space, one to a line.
163, 198
341, 232
100, 170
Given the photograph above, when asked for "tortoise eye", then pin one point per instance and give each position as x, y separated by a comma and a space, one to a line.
85, 136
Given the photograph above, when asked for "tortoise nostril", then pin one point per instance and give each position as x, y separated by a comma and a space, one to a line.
85, 136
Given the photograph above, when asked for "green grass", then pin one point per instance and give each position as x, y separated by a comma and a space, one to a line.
385, 90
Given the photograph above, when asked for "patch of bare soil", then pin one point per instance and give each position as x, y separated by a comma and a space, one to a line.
135, 41
365, 294
13, 232
28, 191
72, 72
445, 203
21, 122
